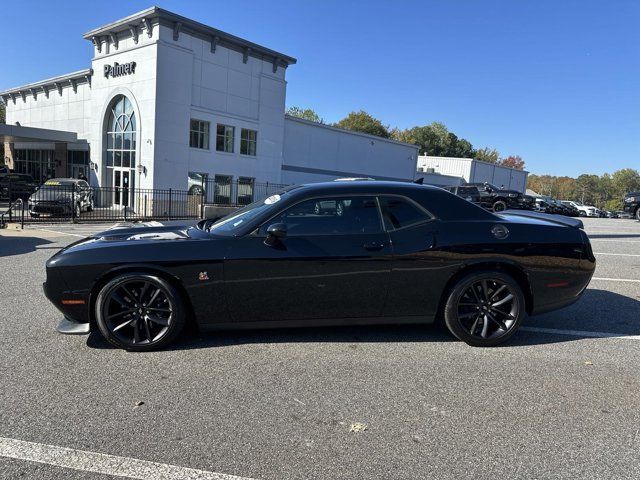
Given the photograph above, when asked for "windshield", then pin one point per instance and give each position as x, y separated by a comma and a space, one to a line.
232, 223
493, 187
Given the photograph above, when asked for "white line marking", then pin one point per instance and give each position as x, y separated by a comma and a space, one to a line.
605, 279
612, 240
103, 463
60, 233
580, 333
618, 254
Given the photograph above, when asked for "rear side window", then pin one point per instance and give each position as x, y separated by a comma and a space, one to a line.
399, 213
467, 190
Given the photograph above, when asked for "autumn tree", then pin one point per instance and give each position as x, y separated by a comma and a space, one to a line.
365, 123
304, 113
512, 161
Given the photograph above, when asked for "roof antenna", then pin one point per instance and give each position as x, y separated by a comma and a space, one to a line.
419, 181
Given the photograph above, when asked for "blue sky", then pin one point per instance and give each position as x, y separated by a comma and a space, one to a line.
556, 82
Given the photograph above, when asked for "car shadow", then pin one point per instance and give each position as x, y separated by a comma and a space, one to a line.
19, 245
597, 311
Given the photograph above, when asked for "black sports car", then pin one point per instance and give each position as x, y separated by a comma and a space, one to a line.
394, 253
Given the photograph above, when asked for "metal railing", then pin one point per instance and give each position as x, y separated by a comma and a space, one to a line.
71, 203
9, 211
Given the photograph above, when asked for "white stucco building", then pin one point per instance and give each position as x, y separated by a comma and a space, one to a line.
166, 99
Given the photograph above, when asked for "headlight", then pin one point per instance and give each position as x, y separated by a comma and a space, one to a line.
513, 195
631, 199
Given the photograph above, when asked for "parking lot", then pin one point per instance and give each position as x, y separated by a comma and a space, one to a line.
560, 400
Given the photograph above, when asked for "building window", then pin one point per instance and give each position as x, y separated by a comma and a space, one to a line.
37, 163
245, 190
248, 141
199, 135
77, 164
225, 138
222, 193
121, 134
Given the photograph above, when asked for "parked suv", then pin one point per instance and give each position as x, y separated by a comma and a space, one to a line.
632, 204
497, 200
62, 196
16, 185
468, 192
583, 210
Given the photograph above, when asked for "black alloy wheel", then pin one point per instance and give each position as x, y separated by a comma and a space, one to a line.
139, 312
78, 210
485, 309
499, 206
91, 205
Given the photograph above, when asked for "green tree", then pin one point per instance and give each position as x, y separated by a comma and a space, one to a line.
435, 139
363, 122
304, 113
487, 154
624, 181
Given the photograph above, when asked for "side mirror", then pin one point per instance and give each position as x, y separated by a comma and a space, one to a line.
278, 230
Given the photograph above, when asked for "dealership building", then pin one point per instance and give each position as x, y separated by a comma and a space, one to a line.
166, 101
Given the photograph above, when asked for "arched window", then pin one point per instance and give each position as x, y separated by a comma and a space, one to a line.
121, 134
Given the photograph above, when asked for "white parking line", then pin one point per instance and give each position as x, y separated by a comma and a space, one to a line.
612, 240
580, 333
102, 463
618, 254
606, 279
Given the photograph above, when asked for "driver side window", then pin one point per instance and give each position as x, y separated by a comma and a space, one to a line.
330, 216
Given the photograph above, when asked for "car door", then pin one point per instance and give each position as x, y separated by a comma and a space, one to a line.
334, 263
416, 277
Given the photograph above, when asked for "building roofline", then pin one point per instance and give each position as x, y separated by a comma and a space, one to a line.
80, 76
188, 26
344, 130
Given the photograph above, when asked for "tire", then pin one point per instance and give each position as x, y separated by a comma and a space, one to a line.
34, 215
637, 215
149, 325
582, 213
78, 210
463, 312
196, 190
499, 206
91, 206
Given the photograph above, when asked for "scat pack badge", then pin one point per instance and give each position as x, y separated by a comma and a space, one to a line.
203, 276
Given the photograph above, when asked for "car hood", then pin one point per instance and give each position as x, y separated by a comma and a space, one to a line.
50, 196
150, 231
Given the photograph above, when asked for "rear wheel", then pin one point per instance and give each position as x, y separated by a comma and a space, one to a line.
499, 206
485, 309
139, 312
638, 213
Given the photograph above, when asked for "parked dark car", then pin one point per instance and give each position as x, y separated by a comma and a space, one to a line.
62, 197
632, 204
497, 199
398, 253
16, 185
469, 192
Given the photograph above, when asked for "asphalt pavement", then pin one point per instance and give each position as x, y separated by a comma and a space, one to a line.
560, 400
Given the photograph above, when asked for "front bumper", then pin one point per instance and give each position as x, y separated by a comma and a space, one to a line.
50, 208
630, 208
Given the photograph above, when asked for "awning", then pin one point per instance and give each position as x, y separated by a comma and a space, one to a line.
15, 133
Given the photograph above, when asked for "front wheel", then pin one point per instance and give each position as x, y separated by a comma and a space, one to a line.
638, 214
499, 206
485, 309
139, 312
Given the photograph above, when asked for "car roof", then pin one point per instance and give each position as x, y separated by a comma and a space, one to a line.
362, 186
66, 180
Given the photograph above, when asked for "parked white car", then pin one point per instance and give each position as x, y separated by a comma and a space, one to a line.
585, 210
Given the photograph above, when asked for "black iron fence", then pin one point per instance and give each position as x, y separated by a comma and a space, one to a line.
59, 202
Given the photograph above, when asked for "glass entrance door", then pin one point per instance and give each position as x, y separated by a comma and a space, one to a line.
121, 187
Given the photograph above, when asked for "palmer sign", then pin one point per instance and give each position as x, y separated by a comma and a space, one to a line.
117, 69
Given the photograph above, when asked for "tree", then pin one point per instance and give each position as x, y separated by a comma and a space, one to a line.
305, 113
3, 112
363, 122
435, 140
625, 181
512, 161
487, 154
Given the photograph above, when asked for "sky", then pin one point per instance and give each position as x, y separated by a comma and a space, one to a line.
556, 82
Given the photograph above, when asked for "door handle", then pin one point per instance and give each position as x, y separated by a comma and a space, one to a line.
373, 246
